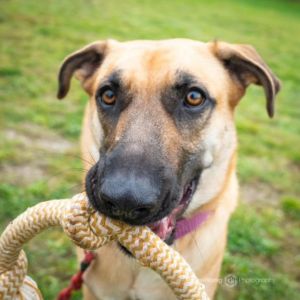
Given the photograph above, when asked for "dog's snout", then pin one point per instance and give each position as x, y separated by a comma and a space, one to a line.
130, 185
129, 197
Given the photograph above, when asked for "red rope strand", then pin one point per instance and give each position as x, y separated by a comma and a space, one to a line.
77, 279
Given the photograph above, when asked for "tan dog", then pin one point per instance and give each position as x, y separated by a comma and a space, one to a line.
159, 127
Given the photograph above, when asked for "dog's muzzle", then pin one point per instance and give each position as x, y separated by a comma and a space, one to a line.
131, 190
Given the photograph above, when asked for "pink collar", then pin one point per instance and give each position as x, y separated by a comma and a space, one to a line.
186, 226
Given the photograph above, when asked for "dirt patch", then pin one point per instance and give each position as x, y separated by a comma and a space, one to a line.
38, 145
21, 174
33, 136
259, 193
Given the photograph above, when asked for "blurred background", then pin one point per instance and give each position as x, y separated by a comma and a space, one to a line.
39, 153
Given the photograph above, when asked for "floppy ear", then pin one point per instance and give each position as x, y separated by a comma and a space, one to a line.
84, 62
246, 65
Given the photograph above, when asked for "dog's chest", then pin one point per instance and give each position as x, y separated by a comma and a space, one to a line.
148, 286
121, 278
114, 276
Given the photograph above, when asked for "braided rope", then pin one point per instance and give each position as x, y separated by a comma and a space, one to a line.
88, 230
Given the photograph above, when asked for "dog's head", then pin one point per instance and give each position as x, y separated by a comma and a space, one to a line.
161, 114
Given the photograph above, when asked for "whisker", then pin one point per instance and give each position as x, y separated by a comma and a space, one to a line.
75, 186
83, 160
92, 157
64, 172
197, 245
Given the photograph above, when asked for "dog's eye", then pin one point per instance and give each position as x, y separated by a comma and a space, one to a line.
108, 97
195, 98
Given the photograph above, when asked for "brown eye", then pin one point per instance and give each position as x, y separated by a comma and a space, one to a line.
194, 98
108, 97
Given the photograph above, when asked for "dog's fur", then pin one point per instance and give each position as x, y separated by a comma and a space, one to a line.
148, 67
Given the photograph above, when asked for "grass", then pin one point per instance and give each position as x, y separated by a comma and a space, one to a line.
39, 155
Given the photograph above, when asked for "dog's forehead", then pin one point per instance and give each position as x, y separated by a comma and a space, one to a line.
157, 62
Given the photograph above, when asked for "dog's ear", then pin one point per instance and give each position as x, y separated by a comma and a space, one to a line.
246, 65
84, 62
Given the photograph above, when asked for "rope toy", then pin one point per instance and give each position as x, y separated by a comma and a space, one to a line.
89, 230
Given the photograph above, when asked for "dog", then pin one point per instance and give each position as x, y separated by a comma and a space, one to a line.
159, 129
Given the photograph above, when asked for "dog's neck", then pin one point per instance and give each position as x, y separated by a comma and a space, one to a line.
207, 238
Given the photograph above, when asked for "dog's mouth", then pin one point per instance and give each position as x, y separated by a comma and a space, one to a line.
165, 227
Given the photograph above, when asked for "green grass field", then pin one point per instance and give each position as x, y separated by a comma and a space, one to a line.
39, 153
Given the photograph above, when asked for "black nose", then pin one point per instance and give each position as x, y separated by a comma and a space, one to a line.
129, 197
